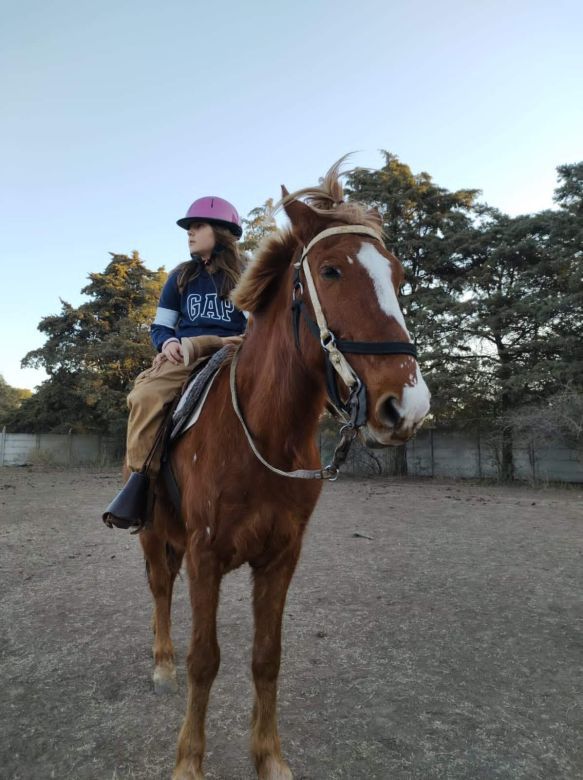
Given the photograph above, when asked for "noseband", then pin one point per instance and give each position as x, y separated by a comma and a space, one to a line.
353, 411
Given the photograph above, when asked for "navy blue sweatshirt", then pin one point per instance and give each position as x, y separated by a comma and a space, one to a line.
198, 311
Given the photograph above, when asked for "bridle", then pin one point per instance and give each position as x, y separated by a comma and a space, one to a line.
351, 412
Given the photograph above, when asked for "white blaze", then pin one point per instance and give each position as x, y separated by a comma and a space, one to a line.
380, 271
414, 402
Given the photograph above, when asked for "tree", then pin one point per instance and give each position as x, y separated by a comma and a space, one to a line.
93, 352
569, 193
525, 303
11, 399
423, 224
259, 223
561, 416
494, 303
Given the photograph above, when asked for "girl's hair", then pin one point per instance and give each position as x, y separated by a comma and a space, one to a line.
226, 258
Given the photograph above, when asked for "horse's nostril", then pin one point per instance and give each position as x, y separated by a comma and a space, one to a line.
388, 411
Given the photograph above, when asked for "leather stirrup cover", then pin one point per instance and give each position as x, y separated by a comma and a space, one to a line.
131, 502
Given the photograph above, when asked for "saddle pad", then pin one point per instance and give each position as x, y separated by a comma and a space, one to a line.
192, 400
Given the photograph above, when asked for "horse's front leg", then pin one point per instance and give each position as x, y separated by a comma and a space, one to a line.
203, 661
270, 587
162, 564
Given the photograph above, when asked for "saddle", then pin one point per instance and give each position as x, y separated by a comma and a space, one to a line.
184, 412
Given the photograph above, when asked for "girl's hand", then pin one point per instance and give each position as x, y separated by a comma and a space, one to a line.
172, 351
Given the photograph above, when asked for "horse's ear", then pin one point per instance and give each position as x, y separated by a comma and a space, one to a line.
305, 221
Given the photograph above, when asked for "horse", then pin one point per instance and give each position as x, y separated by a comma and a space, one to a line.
248, 470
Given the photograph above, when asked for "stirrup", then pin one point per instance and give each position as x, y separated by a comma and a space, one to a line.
129, 508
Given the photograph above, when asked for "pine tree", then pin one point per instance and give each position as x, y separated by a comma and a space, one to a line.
93, 352
11, 399
259, 223
425, 226
525, 303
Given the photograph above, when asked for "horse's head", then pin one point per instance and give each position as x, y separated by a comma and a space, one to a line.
354, 282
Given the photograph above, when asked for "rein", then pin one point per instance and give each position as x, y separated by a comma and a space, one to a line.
328, 472
352, 411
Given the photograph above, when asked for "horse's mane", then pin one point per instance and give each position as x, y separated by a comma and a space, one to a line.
274, 254
327, 199
258, 280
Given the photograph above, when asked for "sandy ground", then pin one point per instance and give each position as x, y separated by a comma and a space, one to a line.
444, 641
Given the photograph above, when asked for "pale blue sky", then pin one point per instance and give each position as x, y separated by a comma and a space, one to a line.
116, 115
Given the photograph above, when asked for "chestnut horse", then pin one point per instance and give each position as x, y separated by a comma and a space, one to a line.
237, 505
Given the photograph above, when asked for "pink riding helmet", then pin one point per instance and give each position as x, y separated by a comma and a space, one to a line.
215, 211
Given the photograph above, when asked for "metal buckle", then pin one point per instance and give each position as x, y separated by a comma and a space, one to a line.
297, 286
327, 340
330, 473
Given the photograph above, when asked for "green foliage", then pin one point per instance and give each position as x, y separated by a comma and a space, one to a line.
426, 227
259, 223
11, 399
525, 309
92, 353
569, 193
494, 303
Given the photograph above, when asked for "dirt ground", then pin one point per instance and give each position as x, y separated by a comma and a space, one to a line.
433, 630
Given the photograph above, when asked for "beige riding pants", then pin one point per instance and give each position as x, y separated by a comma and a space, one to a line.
154, 388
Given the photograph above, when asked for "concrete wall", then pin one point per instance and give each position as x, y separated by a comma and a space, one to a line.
468, 454
20, 449
465, 454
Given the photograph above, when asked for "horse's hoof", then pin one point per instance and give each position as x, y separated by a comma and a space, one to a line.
164, 679
274, 769
187, 771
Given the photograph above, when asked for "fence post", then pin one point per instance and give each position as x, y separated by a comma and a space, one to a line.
532, 459
2, 445
479, 442
432, 456
70, 445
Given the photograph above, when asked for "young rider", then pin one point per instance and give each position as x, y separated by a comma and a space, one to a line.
195, 317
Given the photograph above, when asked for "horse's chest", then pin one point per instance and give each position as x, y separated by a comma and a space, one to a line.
244, 522
254, 533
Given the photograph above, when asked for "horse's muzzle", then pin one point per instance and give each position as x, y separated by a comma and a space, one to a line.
376, 439
394, 422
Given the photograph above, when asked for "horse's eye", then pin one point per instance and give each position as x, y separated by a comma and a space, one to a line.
329, 272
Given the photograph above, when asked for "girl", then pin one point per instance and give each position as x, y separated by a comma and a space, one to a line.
195, 317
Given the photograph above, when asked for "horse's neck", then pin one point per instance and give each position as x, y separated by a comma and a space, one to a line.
282, 392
